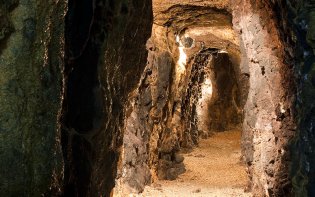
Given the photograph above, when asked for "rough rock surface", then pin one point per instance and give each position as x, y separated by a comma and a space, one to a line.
104, 62
300, 31
31, 61
269, 121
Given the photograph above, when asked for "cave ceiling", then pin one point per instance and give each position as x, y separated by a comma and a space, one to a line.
208, 23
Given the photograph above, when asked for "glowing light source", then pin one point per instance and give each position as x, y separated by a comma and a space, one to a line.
207, 88
203, 103
182, 60
181, 63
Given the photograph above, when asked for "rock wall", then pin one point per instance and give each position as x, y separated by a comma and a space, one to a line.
142, 122
225, 110
105, 57
67, 66
31, 63
269, 121
300, 34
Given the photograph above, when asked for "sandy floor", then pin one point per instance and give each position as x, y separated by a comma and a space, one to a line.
212, 169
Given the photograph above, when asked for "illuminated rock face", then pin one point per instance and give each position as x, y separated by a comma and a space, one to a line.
268, 119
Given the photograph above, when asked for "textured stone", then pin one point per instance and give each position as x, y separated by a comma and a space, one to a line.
301, 21
179, 158
31, 64
105, 58
271, 85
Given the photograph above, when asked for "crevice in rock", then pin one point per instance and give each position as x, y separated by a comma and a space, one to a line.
82, 104
103, 65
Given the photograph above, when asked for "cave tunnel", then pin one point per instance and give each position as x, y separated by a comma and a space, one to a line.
202, 98
192, 88
207, 81
122, 98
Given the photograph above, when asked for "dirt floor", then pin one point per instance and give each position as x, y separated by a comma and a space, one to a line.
212, 169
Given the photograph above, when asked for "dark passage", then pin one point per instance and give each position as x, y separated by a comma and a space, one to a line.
103, 63
225, 110
82, 110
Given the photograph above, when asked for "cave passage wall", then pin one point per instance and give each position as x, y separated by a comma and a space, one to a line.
64, 81
104, 62
301, 28
294, 25
269, 119
31, 63
224, 110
